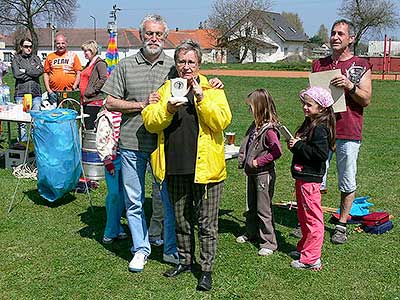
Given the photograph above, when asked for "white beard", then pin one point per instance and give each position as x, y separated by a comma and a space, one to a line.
152, 51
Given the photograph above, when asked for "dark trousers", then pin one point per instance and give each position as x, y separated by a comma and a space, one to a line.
195, 203
92, 111
259, 218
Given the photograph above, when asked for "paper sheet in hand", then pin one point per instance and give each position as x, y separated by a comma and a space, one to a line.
323, 79
286, 133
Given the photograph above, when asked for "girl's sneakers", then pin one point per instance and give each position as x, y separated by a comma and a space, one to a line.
121, 236
242, 239
265, 252
317, 266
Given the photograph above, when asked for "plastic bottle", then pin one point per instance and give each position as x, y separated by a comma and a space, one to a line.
6, 94
1, 96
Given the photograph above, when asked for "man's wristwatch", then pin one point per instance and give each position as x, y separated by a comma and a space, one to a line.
353, 90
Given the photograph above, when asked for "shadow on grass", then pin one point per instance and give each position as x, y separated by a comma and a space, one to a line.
231, 225
96, 221
35, 197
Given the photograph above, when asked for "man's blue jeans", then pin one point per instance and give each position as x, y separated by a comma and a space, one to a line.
36, 105
133, 177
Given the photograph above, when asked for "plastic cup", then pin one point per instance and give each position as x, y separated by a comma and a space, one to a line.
230, 138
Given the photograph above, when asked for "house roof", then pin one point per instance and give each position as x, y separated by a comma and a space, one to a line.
127, 37
275, 21
282, 28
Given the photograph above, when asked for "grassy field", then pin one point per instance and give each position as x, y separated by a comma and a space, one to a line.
53, 251
286, 66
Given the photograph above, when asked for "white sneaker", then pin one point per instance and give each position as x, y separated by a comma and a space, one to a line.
242, 239
137, 263
171, 258
265, 252
317, 266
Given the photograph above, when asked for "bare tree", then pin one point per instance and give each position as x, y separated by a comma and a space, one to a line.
30, 14
369, 16
294, 20
233, 24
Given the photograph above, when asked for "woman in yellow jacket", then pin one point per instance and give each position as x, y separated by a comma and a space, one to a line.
190, 157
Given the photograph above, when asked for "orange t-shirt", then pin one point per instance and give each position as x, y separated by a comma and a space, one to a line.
62, 70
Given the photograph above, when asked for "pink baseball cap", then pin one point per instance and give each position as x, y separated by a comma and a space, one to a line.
320, 95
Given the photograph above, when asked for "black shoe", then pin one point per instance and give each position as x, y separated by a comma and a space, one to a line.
178, 269
205, 281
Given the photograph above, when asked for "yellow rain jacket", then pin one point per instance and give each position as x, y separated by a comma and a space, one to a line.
214, 116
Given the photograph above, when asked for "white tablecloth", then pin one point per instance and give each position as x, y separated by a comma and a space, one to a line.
231, 151
14, 113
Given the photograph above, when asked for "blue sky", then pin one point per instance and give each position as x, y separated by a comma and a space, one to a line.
189, 13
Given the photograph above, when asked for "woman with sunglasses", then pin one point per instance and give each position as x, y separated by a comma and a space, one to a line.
27, 69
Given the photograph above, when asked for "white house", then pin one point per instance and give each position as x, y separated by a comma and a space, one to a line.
269, 36
376, 48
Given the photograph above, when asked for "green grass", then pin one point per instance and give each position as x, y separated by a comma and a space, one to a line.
53, 251
283, 66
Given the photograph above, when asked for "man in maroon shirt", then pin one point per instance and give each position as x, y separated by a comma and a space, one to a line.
356, 82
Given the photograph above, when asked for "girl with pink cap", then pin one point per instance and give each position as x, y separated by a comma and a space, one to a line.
310, 148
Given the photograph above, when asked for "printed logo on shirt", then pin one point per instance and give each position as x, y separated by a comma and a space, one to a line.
298, 168
354, 73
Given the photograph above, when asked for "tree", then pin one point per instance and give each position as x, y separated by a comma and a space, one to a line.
294, 20
371, 16
323, 34
28, 15
236, 22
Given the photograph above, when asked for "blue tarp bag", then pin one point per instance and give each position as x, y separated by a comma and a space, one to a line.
57, 150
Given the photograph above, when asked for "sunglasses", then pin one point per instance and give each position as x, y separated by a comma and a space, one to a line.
27, 46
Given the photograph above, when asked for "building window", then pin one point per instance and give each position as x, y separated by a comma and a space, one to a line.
8, 56
281, 28
285, 51
259, 31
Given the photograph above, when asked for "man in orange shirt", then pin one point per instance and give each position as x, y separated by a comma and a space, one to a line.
62, 69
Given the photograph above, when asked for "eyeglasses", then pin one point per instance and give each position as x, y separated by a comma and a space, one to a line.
27, 46
158, 34
190, 63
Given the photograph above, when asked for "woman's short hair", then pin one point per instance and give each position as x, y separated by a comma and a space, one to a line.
188, 45
90, 45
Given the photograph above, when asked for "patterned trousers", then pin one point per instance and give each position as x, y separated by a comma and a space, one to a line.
195, 204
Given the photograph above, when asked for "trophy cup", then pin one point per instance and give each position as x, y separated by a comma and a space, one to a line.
178, 90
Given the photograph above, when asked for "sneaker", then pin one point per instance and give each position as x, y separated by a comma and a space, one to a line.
107, 240
294, 254
137, 263
296, 232
171, 258
242, 239
265, 252
122, 236
317, 266
156, 242
339, 235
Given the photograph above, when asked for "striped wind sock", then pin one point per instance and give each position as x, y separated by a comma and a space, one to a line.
112, 53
